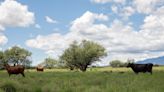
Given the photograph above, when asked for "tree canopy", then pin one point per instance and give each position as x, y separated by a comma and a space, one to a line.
17, 55
83, 54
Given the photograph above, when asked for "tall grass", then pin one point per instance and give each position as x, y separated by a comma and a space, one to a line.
97, 80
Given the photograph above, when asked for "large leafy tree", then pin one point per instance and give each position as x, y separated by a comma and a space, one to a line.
17, 55
83, 54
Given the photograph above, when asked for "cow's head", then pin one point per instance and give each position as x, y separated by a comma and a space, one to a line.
129, 65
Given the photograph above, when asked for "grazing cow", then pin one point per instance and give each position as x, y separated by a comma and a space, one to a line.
41, 69
141, 67
17, 69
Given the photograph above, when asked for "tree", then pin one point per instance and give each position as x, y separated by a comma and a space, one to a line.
16, 55
83, 54
49, 63
118, 63
1, 59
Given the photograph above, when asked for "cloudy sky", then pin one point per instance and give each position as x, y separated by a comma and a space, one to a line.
128, 29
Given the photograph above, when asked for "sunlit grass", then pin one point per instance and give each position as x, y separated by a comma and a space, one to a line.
94, 80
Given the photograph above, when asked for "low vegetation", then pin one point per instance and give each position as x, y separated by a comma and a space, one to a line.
94, 80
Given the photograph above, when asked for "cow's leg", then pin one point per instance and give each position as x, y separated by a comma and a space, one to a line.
23, 74
149, 71
9, 74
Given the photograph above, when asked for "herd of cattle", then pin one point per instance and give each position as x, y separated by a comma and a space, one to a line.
19, 69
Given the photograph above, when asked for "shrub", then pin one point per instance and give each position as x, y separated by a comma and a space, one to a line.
116, 63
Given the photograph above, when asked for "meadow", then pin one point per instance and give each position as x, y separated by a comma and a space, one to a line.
105, 79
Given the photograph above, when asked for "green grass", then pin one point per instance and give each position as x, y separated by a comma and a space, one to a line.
94, 80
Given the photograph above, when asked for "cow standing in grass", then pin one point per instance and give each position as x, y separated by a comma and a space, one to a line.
141, 67
17, 69
40, 69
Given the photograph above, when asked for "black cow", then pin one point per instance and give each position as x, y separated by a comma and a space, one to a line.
141, 67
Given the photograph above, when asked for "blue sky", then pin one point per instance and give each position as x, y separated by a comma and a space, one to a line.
126, 28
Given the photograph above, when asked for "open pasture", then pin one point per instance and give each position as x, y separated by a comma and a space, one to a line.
105, 79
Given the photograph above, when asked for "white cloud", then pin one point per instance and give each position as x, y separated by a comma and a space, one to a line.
127, 11
57, 42
3, 39
14, 14
50, 20
152, 29
126, 8
155, 21
86, 21
107, 1
120, 1
124, 11
2, 28
114, 8
120, 40
48, 42
147, 6
101, 1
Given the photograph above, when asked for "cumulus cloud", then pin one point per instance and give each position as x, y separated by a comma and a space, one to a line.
127, 11
147, 6
126, 8
52, 44
86, 21
155, 21
3, 39
58, 42
152, 29
120, 40
50, 20
114, 8
14, 14
48, 42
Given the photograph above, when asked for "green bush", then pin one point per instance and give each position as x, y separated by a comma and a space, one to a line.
116, 63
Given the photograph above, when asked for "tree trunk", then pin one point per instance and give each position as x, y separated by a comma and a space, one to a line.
83, 68
71, 68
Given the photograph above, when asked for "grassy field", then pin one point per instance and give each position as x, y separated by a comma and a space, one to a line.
94, 80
